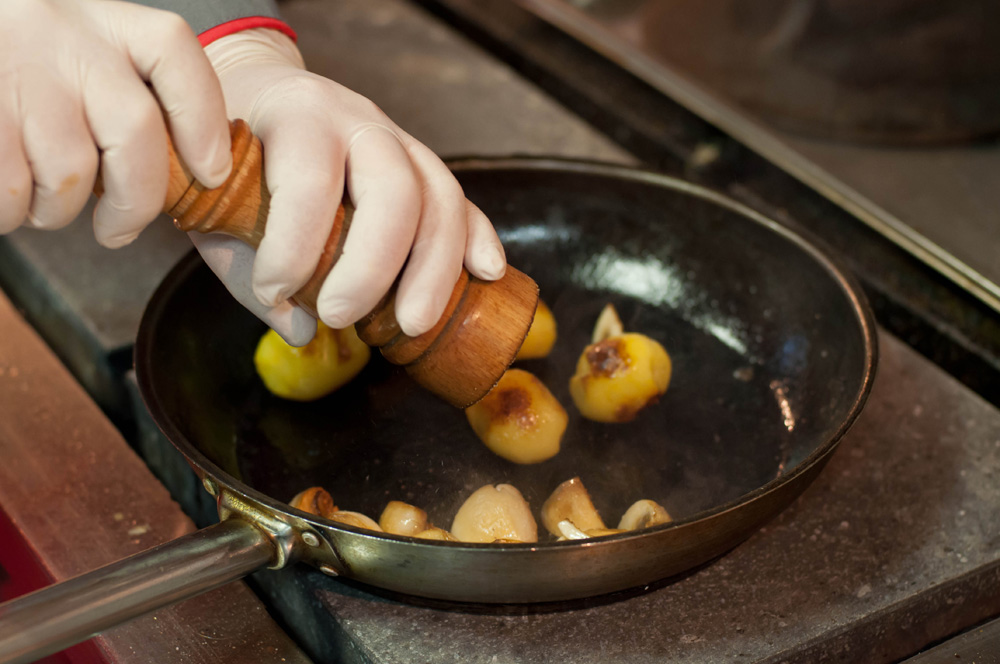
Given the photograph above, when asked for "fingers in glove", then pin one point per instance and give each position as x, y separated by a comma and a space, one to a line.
15, 175
386, 194
232, 261
435, 260
306, 179
484, 254
128, 127
165, 52
59, 149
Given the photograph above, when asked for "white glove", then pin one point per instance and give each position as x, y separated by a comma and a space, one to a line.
317, 136
73, 79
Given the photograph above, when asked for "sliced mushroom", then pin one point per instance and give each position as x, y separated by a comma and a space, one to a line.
644, 514
570, 502
401, 518
492, 513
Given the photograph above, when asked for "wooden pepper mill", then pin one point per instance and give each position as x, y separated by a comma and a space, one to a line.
460, 359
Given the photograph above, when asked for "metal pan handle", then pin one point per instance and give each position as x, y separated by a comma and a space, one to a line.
56, 617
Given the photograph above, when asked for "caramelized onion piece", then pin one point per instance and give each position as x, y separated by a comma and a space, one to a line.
644, 514
570, 502
315, 500
356, 519
401, 518
495, 513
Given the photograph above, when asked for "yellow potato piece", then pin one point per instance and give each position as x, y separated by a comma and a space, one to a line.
519, 419
304, 374
618, 377
541, 335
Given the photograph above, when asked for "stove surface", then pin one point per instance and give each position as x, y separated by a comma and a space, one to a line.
938, 203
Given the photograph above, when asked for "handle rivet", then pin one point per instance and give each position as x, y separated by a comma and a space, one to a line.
329, 571
310, 539
210, 486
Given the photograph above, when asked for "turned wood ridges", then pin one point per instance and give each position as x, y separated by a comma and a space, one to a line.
460, 359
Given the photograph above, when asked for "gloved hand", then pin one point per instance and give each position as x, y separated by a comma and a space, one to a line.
319, 137
72, 86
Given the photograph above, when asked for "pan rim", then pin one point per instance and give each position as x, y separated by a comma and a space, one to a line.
804, 240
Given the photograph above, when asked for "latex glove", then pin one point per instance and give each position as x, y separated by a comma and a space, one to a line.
73, 77
317, 137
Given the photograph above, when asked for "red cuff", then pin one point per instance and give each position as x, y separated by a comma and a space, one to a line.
246, 23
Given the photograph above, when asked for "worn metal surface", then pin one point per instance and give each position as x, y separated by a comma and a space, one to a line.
74, 497
887, 189
892, 548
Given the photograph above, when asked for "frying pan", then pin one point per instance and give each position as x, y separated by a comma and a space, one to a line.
773, 350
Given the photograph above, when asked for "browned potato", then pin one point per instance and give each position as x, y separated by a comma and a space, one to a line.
519, 419
494, 513
541, 336
618, 377
619, 373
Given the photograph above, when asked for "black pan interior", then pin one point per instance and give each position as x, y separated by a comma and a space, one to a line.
771, 352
